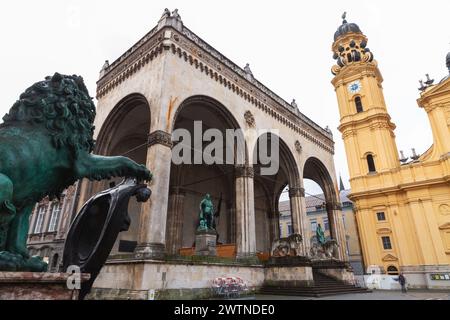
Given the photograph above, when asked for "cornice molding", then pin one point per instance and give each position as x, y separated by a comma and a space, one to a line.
445, 226
384, 231
296, 192
206, 59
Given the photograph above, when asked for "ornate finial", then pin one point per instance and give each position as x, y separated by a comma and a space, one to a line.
403, 159
447, 61
176, 15
294, 104
422, 87
106, 65
414, 156
429, 81
248, 70
344, 15
165, 14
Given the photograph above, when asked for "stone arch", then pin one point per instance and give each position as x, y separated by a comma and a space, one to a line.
189, 182
124, 132
286, 175
116, 117
315, 170
55, 261
217, 108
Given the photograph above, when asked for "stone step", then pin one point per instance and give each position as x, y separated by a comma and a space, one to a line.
311, 292
323, 286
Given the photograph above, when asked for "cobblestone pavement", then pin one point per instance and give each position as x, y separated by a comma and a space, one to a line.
374, 295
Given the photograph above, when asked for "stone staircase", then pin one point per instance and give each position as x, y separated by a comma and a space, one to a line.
323, 286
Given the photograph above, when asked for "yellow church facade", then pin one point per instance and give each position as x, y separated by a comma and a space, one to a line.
402, 207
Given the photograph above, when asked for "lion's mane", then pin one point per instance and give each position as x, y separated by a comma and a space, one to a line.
62, 105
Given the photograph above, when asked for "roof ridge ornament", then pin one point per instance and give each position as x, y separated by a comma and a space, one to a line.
172, 19
447, 61
344, 15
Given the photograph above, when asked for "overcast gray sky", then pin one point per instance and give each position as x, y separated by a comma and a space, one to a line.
287, 44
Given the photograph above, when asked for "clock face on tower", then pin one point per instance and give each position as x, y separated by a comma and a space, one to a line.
354, 87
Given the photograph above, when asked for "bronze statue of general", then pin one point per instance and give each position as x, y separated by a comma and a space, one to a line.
207, 222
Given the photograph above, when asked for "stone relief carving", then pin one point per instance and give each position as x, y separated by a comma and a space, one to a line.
298, 146
249, 119
444, 209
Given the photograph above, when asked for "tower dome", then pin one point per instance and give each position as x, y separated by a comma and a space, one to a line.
345, 28
447, 61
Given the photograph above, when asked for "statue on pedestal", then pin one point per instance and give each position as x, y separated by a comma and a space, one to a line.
323, 249
206, 214
320, 235
206, 235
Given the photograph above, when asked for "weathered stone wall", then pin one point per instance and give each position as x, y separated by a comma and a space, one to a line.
146, 275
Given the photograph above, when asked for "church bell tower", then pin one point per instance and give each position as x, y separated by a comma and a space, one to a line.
365, 124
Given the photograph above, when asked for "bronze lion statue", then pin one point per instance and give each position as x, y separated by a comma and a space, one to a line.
46, 144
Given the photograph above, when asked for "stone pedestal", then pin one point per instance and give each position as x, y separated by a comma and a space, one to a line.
205, 243
38, 286
295, 271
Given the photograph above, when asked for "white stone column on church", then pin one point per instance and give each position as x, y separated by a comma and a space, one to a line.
245, 212
299, 218
174, 236
152, 225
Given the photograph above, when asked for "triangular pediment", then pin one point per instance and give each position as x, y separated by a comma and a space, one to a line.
444, 85
389, 257
444, 226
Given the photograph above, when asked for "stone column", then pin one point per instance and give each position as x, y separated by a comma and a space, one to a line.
245, 212
174, 237
299, 218
152, 225
274, 225
337, 230
231, 223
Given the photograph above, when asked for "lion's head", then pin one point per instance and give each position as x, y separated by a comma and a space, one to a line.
63, 106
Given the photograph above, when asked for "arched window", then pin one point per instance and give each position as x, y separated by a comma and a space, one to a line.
55, 261
358, 104
392, 270
370, 163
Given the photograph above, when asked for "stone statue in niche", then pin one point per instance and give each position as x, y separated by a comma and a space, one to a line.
46, 144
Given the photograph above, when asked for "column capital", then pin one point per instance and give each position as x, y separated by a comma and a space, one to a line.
296, 192
333, 206
244, 171
177, 191
159, 137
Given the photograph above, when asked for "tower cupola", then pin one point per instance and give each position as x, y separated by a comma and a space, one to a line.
349, 46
